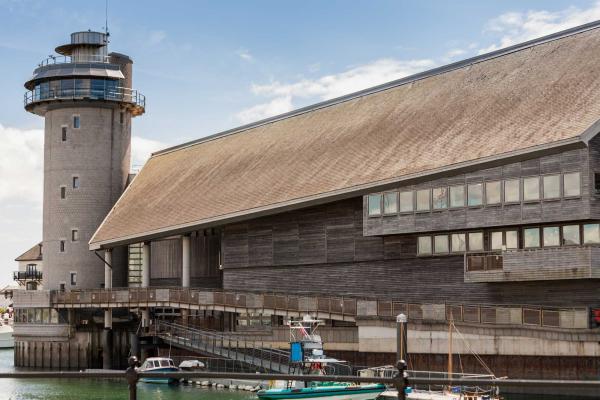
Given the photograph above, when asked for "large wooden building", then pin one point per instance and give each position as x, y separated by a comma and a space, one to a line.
470, 191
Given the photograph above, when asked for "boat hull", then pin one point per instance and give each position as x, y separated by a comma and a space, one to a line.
160, 380
367, 392
7, 341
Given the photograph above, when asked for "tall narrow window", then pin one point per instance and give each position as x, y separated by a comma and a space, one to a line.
572, 184
374, 205
512, 240
390, 203
440, 244
512, 191
122, 117
407, 201
63, 192
62, 286
73, 278
551, 186
457, 196
475, 194
497, 241
423, 200
459, 242
493, 192
74, 235
440, 198
570, 235
75, 182
531, 237
475, 241
531, 188
424, 245
64, 133
62, 246
76, 122
551, 236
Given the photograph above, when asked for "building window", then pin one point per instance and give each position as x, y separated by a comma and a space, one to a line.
407, 201
531, 237
572, 184
75, 182
570, 235
459, 242
457, 196
64, 133
597, 182
62, 286
551, 236
374, 205
493, 192
74, 235
76, 122
440, 243
531, 188
63, 192
62, 246
551, 186
475, 241
497, 241
424, 245
390, 203
423, 200
440, 198
475, 194
512, 239
73, 276
122, 117
591, 234
512, 191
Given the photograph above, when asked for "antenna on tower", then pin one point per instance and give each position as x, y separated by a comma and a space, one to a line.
106, 18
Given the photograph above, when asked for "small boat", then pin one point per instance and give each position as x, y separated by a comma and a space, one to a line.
337, 391
7, 341
191, 365
158, 364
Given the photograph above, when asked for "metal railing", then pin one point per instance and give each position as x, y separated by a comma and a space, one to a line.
27, 275
87, 58
113, 94
490, 261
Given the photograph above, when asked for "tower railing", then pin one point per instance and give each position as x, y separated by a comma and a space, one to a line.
84, 58
119, 94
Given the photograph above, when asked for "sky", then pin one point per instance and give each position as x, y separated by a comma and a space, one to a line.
207, 66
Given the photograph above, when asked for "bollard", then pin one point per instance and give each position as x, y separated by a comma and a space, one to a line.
401, 379
132, 377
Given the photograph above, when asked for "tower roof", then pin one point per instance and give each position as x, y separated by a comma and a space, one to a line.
81, 39
33, 254
528, 98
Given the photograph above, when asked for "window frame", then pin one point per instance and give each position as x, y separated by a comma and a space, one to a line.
520, 188
75, 235
579, 234
419, 253
469, 242
63, 192
73, 278
583, 233
481, 184
540, 239
447, 244
447, 199
412, 202
500, 193
543, 187
64, 129
491, 240
75, 182
543, 236
564, 195
396, 195
76, 125
539, 198
464, 196
428, 210
464, 235
62, 246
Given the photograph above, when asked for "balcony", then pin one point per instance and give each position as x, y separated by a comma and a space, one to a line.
22, 277
533, 265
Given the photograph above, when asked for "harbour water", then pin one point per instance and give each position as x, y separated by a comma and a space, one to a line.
101, 389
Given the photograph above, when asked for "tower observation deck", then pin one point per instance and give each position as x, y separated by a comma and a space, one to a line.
86, 97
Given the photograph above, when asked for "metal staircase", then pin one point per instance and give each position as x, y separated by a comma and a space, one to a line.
253, 353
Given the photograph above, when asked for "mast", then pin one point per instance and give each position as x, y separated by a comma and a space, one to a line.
450, 324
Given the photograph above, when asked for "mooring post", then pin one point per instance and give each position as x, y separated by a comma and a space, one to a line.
401, 379
401, 336
132, 377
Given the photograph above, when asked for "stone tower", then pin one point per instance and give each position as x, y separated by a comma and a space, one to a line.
87, 100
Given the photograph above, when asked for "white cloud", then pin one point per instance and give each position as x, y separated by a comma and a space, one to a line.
244, 55
156, 37
142, 148
453, 54
517, 27
283, 95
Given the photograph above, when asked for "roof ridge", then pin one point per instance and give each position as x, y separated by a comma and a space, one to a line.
388, 85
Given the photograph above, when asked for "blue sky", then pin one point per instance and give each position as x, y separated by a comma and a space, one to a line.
209, 66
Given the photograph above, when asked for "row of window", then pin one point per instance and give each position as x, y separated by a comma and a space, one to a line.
534, 237
74, 185
74, 238
533, 188
40, 316
98, 88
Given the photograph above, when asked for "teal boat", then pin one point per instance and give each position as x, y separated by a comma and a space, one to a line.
331, 391
158, 364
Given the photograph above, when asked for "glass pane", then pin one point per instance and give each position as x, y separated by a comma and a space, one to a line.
38, 315
551, 186
45, 316
492, 192
531, 237
390, 203
440, 198
424, 244
571, 235
512, 192
475, 194
457, 196
531, 188
441, 243
475, 241
459, 242
512, 240
53, 316
374, 204
407, 203
572, 184
551, 236
591, 234
497, 241
423, 200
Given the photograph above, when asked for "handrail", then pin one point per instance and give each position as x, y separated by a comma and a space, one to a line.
87, 58
18, 275
113, 94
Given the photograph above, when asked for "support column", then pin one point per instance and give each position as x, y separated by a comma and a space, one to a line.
145, 318
107, 349
108, 269
134, 342
185, 261
146, 265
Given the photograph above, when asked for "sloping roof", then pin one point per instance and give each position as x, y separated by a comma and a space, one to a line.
33, 254
540, 94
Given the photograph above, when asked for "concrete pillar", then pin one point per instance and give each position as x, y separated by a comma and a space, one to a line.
185, 261
108, 269
134, 342
145, 318
146, 265
107, 349
108, 319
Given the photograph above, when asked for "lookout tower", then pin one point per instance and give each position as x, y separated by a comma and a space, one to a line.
85, 95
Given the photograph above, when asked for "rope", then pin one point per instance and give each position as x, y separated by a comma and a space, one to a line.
477, 357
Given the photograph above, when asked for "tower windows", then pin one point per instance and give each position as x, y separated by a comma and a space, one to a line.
74, 235
76, 122
64, 133
63, 192
62, 246
73, 276
75, 182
